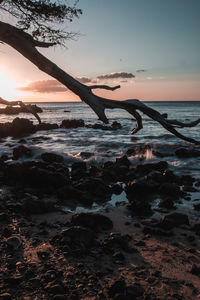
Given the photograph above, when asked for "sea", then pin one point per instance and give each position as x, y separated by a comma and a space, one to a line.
95, 146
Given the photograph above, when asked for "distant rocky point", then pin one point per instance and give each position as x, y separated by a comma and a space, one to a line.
11, 110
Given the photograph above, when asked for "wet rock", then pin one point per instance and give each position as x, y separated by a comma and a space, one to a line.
187, 153
34, 205
72, 124
78, 170
75, 240
117, 189
14, 242
21, 151
92, 221
69, 193
141, 188
20, 127
46, 126
197, 206
196, 228
147, 168
167, 202
173, 220
141, 207
95, 187
170, 189
44, 178
52, 157
123, 161
115, 125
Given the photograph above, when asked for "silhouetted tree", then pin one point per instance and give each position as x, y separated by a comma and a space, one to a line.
35, 27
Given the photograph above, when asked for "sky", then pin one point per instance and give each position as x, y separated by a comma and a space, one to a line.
150, 47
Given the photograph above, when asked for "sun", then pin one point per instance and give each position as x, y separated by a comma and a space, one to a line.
7, 86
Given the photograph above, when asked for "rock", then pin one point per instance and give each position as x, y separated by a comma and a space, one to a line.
92, 221
72, 124
167, 202
96, 188
187, 153
147, 168
115, 125
117, 287
196, 228
6, 296
14, 242
173, 220
46, 126
117, 241
76, 239
34, 205
196, 206
195, 270
170, 189
78, 170
21, 151
22, 127
141, 207
141, 188
52, 157
134, 291
123, 161
55, 289
4, 217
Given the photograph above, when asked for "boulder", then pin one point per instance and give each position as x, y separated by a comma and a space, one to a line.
92, 221
173, 220
72, 124
21, 151
187, 153
52, 157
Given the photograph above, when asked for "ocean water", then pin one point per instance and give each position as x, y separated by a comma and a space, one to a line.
97, 146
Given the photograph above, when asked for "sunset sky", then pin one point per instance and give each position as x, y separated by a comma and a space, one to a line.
150, 47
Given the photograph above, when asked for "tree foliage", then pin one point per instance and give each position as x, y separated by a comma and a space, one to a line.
43, 19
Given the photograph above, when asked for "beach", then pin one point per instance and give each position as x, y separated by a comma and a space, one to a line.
89, 212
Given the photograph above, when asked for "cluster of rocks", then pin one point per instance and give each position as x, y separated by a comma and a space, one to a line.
21, 127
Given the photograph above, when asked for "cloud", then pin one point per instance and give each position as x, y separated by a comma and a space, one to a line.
116, 75
44, 86
84, 79
141, 70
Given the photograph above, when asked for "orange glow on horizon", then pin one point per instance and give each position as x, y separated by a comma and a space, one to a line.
7, 86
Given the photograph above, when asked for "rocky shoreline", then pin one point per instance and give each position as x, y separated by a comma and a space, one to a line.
124, 251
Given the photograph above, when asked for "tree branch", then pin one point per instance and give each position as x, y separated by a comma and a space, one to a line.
24, 44
20, 103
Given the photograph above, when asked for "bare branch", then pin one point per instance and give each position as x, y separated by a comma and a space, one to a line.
105, 87
20, 103
24, 44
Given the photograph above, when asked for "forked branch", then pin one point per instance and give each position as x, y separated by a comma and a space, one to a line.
21, 104
25, 45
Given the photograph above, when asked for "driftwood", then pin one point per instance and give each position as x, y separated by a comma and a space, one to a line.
25, 107
26, 45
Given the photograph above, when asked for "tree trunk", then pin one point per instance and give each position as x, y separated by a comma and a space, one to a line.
26, 45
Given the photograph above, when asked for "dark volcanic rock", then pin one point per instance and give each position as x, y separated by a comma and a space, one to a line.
95, 187
22, 127
173, 220
46, 126
117, 287
186, 153
75, 240
147, 168
93, 221
195, 270
170, 189
72, 123
21, 151
115, 125
52, 157
34, 205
